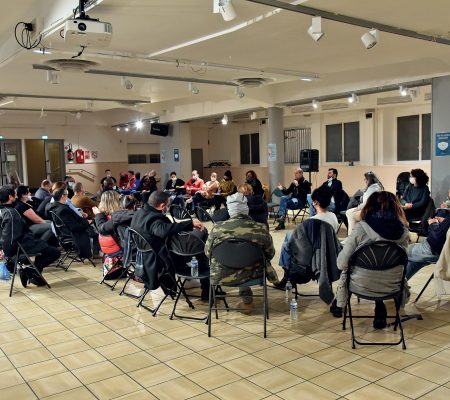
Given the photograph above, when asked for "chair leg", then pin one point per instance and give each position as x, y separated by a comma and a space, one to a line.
14, 274
397, 315
211, 299
265, 303
181, 289
423, 289
350, 316
344, 321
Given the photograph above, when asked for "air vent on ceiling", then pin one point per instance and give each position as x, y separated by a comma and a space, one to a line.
427, 96
71, 65
252, 82
302, 109
382, 101
241, 117
333, 106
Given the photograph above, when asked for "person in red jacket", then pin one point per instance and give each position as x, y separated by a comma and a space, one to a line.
194, 184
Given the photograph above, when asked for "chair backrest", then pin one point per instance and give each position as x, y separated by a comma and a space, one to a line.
178, 213
62, 231
380, 256
275, 196
203, 215
238, 254
139, 241
186, 244
36, 202
402, 183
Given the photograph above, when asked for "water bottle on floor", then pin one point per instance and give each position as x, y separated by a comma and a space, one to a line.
288, 292
194, 267
293, 308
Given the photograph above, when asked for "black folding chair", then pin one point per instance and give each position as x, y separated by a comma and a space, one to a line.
298, 212
203, 215
144, 247
179, 213
274, 203
22, 259
67, 243
238, 254
378, 259
420, 226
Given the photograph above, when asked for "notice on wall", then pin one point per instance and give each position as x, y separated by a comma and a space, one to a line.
442, 144
272, 152
163, 157
176, 155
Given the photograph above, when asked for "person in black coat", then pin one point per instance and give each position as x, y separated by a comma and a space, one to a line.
14, 230
417, 195
294, 197
156, 228
78, 227
175, 185
255, 183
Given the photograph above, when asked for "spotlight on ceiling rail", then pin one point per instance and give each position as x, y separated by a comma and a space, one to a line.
370, 39
225, 8
315, 30
224, 120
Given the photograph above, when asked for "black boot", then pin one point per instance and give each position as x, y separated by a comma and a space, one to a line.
335, 310
282, 284
379, 322
280, 225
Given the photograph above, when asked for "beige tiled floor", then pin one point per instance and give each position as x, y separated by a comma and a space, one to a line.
80, 340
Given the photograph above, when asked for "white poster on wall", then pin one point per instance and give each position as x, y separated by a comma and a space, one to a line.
272, 152
163, 157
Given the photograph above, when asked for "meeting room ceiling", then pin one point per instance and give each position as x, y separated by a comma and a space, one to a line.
183, 39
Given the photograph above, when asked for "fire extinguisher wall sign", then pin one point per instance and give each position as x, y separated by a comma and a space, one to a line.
70, 153
79, 156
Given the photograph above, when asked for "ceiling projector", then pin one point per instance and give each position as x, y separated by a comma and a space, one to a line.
87, 33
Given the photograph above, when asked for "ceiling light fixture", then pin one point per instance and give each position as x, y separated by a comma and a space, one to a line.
139, 124
193, 89
45, 137
54, 77
118, 129
225, 8
127, 129
353, 98
315, 30
403, 91
370, 39
224, 120
306, 79
238, 92
315, 104
126, 83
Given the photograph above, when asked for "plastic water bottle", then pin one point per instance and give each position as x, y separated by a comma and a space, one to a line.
288, 292
194, 267
293, 308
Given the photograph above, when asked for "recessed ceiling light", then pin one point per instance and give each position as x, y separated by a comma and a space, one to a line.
224, 120
139, 124
44, 137
118, 129
315, 104
127, 129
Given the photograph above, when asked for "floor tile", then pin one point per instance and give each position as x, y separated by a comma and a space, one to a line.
139, 395
151, 341
335, 357
114, 387
30, 357
374, 392
240, 389
154, 374
223, 353
247, 365
277, 355
89, 330
429, 370
307, 391
41, 370
368, 369
305, 345
170, 351
96, 372
339, 382
275, 380
81, 359
5, 364
213, 377
10, 378
54, 384
18, 392
306, 367
135, 361
190, 363
394, 358
407, 385
65, 348
118, 349
180, 388
79, 393
441, 393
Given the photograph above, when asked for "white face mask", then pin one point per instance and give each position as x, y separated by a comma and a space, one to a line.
29, 198
174, 179
412, 180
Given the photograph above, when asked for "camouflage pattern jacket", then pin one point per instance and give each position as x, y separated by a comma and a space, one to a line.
240, 227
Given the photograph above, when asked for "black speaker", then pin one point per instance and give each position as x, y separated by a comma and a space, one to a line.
309, 160
159, 129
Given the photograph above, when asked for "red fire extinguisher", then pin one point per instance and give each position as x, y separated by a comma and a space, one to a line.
79, 156
70, 153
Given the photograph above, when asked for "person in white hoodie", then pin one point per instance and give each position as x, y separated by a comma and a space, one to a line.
373, 185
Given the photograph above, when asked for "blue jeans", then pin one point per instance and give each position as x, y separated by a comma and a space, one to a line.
285, 255
288, 203
312, 210
419, 255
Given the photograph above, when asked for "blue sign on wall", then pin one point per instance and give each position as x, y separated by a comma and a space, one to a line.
443, 144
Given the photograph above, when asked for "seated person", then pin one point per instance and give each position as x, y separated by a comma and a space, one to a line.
108, 184
14, 230
131, 180
422, 253
207, 192
417, 195
41, 229
294, 197
108, 176
70, 182
240, 226
148, 183
337, 192
252, 179
444, 208
44, 191
175, 186
156, 228
226, 187
123, 180
321, 198
373, 185
194, 184
80, 200
137, 181
382, 218
257, 207
78, 227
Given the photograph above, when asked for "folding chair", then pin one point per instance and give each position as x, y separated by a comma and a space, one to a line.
420, 226
384, 263
67, 243
299, 212
274, 203
20, 259
203, 215
144, 247
238, 254
179, 213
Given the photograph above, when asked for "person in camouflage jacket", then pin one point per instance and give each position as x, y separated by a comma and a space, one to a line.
240, 226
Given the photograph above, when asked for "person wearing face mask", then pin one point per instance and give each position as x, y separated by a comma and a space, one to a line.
175, 186
40, 228
373, 185
226, 187
444, 208
194, 184
108, 175
417, 195
252, 179
156, 228
207, 192
70, 182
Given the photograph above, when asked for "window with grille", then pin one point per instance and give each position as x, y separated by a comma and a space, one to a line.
342, 142
295, 140
144, 158
249, 144
414, 137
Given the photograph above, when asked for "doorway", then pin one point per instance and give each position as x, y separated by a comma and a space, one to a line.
197, 160
10, 161
45, 160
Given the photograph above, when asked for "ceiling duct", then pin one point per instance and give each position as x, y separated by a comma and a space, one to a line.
333, 106
302, 109
427, 96
71, 65
252, 82
383, 101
